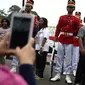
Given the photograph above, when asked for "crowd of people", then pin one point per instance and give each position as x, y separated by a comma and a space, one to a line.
41, 35
31, 59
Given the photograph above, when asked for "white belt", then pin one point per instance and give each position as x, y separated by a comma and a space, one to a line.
66, 33
76, 37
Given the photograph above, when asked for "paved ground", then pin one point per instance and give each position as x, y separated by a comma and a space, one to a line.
46, 81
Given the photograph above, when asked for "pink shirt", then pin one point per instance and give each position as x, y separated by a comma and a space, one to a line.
3, 32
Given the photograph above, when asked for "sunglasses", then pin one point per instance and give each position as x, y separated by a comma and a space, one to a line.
29, 6
70, 7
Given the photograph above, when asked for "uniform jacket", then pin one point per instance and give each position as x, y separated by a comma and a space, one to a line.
67, 24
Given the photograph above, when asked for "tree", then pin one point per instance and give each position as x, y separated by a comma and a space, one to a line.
34, 12
2, 13
15, 8
12, 9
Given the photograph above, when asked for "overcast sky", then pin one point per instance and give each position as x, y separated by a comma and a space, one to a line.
51, 9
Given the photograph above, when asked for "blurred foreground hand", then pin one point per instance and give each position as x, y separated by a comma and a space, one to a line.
26, 55
4, 50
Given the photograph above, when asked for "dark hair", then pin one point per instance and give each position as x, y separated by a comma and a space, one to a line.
84, 19
45, 21
8, 23
78, 12
32, 2
38, 17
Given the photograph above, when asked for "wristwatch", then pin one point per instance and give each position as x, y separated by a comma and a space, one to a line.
41, 46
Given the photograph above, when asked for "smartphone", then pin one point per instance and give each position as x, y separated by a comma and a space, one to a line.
21, 29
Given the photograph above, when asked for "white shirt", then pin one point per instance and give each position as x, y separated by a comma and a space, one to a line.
43, 33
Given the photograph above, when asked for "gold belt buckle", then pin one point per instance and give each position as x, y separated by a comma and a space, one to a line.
65, 33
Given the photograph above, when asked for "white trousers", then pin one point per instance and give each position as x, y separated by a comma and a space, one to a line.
64, 50
75, 57
15, 61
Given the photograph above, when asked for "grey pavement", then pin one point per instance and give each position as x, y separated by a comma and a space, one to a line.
46, 81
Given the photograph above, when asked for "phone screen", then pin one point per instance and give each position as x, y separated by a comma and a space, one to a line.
20, 32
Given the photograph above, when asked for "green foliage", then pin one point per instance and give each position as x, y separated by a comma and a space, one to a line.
2, 13
11, 10
34, 12
14, 8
